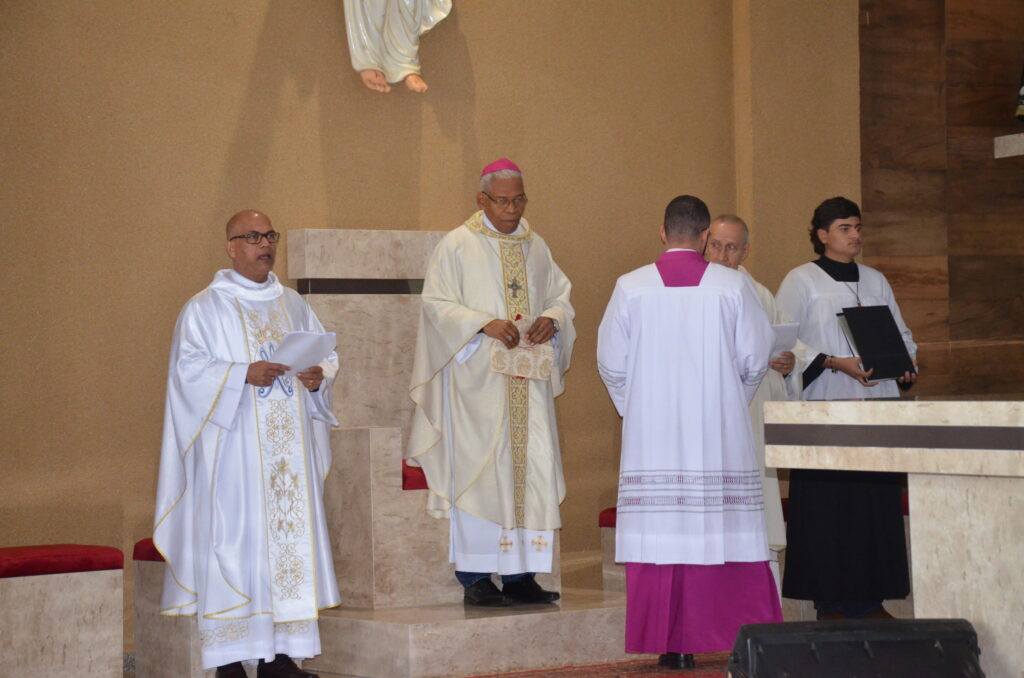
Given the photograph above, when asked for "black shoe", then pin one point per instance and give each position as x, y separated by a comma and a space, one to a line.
281, 667
233, 670
527, 591
484, 594
675, 660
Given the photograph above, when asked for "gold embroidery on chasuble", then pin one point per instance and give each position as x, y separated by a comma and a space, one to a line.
517, 303
292, 628
224, 633
283, 463
280, 426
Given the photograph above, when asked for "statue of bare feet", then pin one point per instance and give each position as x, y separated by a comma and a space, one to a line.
415, 83
374, 79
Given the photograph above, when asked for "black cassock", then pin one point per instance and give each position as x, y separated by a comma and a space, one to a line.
845, 537
844, 529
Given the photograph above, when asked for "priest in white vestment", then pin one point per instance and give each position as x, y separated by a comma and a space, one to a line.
682, 348
239, 513
729, 245
488, 442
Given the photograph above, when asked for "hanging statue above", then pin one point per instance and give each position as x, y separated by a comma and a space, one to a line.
384, 39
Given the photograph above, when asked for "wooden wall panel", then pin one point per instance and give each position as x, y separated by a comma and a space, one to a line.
985, 299
944, 218
907, 19
902, 103
885, 190
980, 105
986, 191
899, 58
984, 62
988, 367
972, 148
921, 286
904, 233
985, 234
903, 146
984, 19
934, 368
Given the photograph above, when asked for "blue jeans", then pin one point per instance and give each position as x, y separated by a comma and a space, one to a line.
467, 579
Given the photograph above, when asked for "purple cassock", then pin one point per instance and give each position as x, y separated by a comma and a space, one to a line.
694, 608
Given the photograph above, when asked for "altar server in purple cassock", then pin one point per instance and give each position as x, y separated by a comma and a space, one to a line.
682, 348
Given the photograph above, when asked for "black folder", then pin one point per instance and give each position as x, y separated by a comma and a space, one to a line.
874, 336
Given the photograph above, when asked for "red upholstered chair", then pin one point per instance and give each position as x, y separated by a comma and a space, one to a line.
413, 477
62, 611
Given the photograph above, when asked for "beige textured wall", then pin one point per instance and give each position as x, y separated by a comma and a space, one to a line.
797, 122
132, 129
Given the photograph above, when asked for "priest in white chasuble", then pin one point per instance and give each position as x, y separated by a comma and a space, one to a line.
486, 440
239, 514
682, 348
729, 245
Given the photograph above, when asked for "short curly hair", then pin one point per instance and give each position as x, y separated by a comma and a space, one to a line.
827, 212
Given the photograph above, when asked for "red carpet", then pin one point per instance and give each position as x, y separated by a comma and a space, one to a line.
708, 666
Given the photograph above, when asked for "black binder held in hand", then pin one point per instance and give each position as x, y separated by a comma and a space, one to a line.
874, 336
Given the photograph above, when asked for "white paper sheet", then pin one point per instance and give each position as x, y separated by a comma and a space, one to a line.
302, 350
785, 337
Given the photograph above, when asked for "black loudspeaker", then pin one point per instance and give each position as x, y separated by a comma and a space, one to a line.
884, 648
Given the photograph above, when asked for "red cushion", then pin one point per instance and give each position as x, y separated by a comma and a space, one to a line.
145, 550
27, 561
413, 477
606, 518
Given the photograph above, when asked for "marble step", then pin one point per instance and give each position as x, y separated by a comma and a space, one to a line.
585, 627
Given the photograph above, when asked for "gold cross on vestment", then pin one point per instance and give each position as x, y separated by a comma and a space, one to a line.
505, 543
540, 544
515, 287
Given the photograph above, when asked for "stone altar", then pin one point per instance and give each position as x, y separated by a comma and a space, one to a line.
965, 466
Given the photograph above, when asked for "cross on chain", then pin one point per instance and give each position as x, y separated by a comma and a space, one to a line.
505, 543
539, 543
515, 287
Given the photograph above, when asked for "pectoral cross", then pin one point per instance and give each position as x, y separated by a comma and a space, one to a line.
505, 543
539, 544
515, 287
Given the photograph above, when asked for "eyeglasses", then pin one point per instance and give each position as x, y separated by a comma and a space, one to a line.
254, 237
517, 201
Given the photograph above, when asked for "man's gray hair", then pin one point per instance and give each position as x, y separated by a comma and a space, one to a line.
733, 219
487, 179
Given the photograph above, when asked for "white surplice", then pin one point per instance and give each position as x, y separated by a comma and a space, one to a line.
773, 387
239, 513
488, 443
689, 482
810, 296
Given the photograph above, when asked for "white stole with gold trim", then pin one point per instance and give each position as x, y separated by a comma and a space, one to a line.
283, 464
